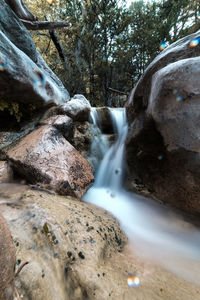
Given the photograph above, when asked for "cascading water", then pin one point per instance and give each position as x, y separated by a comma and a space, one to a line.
110, 172
100, 143
152, 230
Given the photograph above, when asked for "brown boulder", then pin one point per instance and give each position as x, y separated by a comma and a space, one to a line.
46, 157
7, 261
62, 122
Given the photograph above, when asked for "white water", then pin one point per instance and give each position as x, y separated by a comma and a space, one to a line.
154, 231
100, 144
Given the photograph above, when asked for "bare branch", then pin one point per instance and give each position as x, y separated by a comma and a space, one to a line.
117, 91
37, 25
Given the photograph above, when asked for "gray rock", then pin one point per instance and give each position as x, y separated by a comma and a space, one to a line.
174, 104
21, 79
14, 30
175, 52
24, 77
77, 108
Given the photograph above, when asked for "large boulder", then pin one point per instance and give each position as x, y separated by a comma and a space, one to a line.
138, 101
76, 252
163, 146
45, 157
26, 82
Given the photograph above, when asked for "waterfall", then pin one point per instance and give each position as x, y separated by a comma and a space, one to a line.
100, 144
154, 231
110, 173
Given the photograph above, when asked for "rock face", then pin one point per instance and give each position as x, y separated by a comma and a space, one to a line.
78, 108
7, 261
63, 123
164, 141
80, 249
24, 76
45, 157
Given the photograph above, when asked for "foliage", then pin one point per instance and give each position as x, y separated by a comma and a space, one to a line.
108, 44
12, 108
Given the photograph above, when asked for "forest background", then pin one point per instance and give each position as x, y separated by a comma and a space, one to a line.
107, 45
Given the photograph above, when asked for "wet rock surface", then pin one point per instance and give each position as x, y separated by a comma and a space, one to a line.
163, 143
79, 248
45, 157
26, 82
106, 122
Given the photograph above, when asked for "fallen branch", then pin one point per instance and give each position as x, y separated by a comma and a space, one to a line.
118, 92
42, 25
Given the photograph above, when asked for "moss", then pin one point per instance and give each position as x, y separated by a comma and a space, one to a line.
12, 107
15, 109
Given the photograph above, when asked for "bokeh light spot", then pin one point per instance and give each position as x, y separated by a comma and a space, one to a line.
40, 81
162, 46
193, 43
49, 2
160, 157
133, 280
179, 98
3, 65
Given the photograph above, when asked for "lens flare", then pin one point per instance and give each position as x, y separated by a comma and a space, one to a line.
177, 94
162, 46
160, 157
40, 81
133, 280
179, 98
193, 43
3, 65
175, 91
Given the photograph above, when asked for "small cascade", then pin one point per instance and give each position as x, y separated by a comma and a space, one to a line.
154, 231
94, 117
111, 170
100, 144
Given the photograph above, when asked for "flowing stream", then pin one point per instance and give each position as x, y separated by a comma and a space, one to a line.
154, 231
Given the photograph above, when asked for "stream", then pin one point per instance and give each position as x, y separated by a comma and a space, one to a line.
154, 231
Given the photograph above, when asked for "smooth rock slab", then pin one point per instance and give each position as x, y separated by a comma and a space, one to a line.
46, 157
174, 104
79, 254
176, 51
